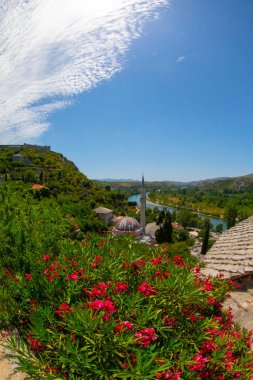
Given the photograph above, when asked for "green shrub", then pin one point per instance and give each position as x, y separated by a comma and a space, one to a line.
113, 309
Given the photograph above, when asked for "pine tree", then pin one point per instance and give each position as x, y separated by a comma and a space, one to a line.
204, 247
41, 176
164, 233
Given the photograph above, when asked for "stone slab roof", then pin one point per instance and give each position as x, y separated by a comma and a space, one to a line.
102, 210
232, 253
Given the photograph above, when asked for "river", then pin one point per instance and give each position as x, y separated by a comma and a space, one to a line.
213, 220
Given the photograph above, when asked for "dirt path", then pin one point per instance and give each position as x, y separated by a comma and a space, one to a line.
8, 365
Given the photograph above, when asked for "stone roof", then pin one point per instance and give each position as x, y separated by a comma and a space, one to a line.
128, 224
151, 229
232, 253
102, 210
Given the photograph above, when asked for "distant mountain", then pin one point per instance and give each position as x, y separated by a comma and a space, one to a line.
114, 180
229, 184
234, 184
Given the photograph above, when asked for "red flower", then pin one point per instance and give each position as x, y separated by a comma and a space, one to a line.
179, 261
121, 287
146, 289
28, 276
199, 363
145, 337
34, 344
105, 305
124, 326
156, 261
46, 257
169, 321
64, 309
95, 262
72, 276
98, 290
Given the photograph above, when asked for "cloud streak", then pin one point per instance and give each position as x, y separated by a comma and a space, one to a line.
180, 59
52, 50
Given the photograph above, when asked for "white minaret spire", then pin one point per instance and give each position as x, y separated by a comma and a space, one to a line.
143, 205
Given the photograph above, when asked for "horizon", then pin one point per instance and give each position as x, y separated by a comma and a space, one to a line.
157, 86
165, 180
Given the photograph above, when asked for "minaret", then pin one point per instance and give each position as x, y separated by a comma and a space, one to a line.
143, 205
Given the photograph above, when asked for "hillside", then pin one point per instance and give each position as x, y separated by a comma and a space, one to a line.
225, 184
61, 182
234, 185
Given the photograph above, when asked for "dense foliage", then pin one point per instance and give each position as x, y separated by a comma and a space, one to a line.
112, 309
62, 182
208, 201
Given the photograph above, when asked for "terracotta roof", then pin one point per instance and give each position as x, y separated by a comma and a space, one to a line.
37, 186
232, 253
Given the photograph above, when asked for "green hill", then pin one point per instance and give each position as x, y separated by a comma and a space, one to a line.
235, 185
61, 182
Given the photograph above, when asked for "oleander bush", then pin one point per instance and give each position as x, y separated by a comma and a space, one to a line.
109, 308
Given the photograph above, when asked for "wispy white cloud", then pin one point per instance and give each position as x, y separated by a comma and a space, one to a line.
181, 59
51, 50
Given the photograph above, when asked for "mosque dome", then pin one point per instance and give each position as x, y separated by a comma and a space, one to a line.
128, 224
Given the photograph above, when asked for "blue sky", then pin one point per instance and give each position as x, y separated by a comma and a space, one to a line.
178, 105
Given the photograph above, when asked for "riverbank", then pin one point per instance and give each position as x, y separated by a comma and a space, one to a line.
214, 220
186, 208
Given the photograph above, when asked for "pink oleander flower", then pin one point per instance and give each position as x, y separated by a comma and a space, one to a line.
121, 287
106, 306
179, 261
146, 290
145, 337
169, 321
199, 363
124, 326
64, 309
99, 290
46, 257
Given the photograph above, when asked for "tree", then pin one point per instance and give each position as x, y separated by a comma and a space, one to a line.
219, 228
187, 218
206, 231
164, 233
230, 214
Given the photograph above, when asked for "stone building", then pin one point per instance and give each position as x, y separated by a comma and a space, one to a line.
37, 148
143, 206
105, 215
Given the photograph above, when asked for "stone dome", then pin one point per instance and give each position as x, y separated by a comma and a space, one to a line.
128, 224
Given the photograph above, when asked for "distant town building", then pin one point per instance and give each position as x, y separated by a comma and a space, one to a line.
18, 157
36, 186
143, 205
105, 214
37, 148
